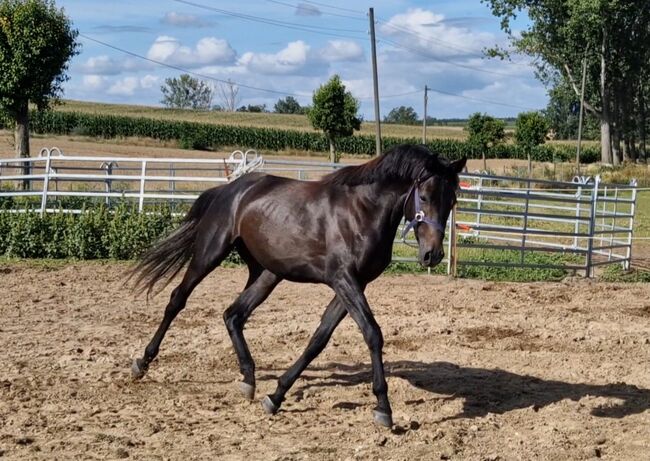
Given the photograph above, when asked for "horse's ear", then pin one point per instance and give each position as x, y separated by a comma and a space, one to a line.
457, 166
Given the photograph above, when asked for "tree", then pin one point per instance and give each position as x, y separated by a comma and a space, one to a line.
335, 112
186, 92
484, 131
253, 108
402, 115
562, 114
530, 131
288, 105
611, 35
229, 95
36, 43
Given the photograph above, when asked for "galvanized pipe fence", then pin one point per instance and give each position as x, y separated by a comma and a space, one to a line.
584, 223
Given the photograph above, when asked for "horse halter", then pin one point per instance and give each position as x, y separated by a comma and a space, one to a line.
420, 216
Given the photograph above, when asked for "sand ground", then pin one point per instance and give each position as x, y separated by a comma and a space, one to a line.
476, 371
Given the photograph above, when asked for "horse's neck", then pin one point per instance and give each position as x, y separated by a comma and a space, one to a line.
392, 200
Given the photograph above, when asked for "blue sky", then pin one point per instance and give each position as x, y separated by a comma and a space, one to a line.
293, 46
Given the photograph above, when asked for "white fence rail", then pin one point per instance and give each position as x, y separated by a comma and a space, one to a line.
585, 221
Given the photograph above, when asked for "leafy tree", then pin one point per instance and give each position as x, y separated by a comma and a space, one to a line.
36, 43
530, 131
611, 35
334, 112
562, 114
253, 108
485, 131
288, 105
403, 115
186, 92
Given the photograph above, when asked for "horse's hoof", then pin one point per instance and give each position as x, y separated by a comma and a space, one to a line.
247, 390
383, 419
269, 407
138, 370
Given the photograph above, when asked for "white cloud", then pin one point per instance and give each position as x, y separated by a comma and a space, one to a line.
208, 51
342, 50
184, 20
93, 82
106, 65
287, 61
430, 34
127, 86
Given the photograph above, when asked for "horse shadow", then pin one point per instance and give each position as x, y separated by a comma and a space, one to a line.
488, 390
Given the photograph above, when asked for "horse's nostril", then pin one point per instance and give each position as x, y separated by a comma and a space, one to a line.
427, 256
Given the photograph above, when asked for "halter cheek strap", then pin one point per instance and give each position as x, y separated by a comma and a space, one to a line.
420, 216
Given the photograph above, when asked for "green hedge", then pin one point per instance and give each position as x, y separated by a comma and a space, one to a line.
192, 135
97, 233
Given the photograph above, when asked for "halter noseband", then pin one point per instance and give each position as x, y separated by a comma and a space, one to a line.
420, 216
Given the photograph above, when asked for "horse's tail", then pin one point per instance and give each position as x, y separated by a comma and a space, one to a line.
167, 257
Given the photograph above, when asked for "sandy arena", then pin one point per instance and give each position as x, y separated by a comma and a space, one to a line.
476, 371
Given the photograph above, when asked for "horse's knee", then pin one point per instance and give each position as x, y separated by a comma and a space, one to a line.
233, 319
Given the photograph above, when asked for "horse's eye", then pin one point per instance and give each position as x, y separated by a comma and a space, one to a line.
423, 199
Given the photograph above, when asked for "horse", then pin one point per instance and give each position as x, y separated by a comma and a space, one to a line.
338, 231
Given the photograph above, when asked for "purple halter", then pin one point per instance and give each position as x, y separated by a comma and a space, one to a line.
419, 217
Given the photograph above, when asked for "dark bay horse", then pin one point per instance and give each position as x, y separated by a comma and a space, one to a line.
338, 231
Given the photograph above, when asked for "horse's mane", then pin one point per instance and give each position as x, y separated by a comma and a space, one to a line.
404, 162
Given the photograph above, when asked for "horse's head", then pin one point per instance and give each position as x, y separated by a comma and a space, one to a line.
427, 208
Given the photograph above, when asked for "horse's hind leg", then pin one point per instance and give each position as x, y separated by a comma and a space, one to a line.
259, 286
332, 316
197, 269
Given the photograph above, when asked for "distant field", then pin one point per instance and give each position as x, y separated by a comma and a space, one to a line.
266, 120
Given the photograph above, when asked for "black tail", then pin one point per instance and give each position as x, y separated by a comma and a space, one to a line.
167, 257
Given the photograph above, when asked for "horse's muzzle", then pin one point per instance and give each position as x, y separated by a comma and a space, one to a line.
432, 258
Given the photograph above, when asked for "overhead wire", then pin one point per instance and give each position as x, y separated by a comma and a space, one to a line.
330, 31
181, 69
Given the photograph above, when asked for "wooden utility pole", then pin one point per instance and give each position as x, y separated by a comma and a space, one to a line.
373, 47
424, 119
582, 110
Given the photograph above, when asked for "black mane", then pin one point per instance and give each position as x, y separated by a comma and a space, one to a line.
406, 162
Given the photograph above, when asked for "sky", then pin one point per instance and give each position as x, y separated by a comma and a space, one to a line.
276, 48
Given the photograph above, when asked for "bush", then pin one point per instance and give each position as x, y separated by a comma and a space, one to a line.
192, 135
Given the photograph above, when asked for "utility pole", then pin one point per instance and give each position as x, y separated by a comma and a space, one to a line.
582, 109
373, 47
424, 119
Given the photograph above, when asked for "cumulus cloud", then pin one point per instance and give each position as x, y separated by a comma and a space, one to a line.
175, 19
286, 61
305, 9
342, 50
93, 82
431, 34
107, 65
127, 86
208, 51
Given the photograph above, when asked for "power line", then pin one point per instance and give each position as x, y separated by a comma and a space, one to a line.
196, 74
335, 7
287, 25
297, 6
445, 44
470, 98
447, 61
366, 98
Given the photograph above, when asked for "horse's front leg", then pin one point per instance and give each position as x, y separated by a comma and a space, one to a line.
350, 292
333, 315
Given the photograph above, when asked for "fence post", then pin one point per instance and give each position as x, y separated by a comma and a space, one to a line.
592, 228
46, 181
479, 201
452, 237
628, 259
525, 226
611, 236
143, 172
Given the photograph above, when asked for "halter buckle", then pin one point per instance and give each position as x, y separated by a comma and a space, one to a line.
419, 216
